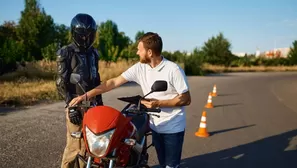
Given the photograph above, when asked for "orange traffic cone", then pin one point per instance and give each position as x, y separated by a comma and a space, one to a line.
202, 132
214, 91
209, 101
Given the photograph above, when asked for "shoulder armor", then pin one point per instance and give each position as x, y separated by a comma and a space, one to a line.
61, 53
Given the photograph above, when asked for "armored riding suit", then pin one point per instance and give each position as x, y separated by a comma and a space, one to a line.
71, 59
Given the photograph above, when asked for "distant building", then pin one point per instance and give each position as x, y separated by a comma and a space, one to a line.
258, 53
239, 54
276, 53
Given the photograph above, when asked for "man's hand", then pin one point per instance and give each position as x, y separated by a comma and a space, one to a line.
150, 103
76, 100
180, 100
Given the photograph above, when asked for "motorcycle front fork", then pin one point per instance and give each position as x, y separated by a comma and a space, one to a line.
89, 163
110, 165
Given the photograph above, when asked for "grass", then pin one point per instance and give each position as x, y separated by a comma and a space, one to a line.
21, 93
35, 82
47, 70
221, 69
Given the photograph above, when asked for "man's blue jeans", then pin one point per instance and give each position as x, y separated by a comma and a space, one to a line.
168, 148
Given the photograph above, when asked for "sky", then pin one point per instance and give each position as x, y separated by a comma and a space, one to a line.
183, 24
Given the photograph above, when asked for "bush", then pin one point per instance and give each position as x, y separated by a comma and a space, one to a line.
260, 61
10, 53
49, 52
193, 63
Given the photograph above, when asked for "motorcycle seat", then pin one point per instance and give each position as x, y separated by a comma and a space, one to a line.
141, 124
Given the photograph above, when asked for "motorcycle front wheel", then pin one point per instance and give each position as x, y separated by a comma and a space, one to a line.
142, 166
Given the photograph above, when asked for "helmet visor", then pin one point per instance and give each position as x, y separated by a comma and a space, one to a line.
83, 39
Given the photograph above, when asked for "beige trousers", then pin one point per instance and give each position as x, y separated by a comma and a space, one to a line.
73, 146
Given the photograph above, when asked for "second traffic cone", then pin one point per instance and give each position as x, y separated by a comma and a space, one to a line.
202, 132
209, 101
214, 91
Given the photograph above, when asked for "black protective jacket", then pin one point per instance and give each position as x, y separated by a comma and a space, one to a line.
71, 59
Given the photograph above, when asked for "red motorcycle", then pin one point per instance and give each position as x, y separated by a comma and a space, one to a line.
116, 138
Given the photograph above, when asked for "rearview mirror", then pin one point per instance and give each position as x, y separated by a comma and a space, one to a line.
75, 78
159, 86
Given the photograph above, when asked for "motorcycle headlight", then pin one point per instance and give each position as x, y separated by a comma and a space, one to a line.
98, 144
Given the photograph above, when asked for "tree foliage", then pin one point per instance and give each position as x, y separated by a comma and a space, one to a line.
111, 42
217, 50
35, 29
36, 36
293, 53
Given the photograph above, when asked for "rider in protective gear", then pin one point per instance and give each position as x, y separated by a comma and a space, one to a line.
79, 57
82, 58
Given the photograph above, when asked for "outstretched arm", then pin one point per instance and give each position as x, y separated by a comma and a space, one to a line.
104, 87
128, 75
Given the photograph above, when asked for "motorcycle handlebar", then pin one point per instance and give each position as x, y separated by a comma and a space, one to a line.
135, 110
83, 104
153, 110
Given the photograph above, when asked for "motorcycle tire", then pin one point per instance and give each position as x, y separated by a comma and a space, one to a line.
144, 166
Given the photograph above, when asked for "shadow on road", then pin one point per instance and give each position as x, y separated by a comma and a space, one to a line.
273, 152
224, 105
229, 129
6, 110
219, 74
230, 94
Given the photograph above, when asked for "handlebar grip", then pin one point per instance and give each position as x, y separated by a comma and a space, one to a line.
153, 110
133, 110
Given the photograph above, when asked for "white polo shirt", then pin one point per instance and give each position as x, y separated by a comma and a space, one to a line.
172, 120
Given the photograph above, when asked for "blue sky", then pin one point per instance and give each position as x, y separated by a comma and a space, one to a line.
184, 24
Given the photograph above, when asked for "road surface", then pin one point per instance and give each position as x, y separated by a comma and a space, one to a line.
253, 124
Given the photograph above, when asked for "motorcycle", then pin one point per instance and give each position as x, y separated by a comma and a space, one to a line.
116, 138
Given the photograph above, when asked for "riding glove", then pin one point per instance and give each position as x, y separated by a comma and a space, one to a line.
75, 116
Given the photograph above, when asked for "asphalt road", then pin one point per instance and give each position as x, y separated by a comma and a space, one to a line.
253, 124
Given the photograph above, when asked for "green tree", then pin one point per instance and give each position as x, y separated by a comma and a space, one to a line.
61, 34
7, 31
130, 52
11, 50
35, 29
138, 35
217, 50
292, 55
111, 42
193, 62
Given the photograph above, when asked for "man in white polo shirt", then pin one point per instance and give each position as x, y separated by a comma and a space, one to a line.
168, 130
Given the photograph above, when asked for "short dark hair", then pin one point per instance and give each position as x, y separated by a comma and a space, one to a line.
152, 41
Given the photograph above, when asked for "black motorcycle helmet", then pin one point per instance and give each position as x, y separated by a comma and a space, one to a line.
83, 30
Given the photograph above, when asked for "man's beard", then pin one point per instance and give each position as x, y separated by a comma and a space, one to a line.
145, 60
